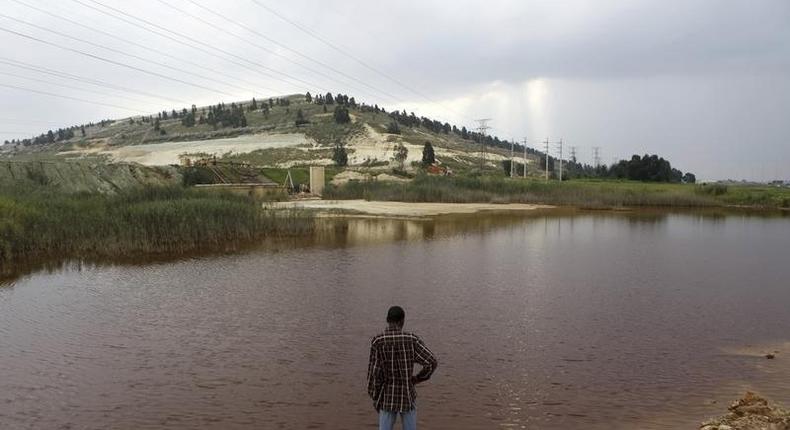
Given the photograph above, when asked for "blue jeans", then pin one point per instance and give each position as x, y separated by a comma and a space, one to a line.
408, 419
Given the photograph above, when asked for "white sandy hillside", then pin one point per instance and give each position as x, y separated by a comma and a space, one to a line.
381, 147
160, 154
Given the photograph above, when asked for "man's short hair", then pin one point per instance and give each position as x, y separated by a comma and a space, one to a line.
396, 314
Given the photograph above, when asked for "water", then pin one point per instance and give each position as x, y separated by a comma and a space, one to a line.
551, 321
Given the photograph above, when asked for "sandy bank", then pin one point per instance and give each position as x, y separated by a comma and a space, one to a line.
402, 209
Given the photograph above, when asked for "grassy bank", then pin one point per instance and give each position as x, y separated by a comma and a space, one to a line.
585, 194
38, 223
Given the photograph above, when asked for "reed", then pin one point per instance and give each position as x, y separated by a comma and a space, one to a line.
40, 223
490, 189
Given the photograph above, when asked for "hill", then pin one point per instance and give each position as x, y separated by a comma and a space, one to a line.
296, 130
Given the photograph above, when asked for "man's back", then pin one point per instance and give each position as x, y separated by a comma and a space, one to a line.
393, 354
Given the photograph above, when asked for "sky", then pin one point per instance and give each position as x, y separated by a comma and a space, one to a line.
703, 83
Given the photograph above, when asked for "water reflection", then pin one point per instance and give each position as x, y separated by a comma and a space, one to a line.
563, 320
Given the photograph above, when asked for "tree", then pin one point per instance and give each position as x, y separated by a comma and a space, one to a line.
82, 130
188, 120
339, 155
156, 125
428, 156
393, 127
401, 154
243, 121
300, 119
341, 115
689, 178
328, 99
308, 98
253, 105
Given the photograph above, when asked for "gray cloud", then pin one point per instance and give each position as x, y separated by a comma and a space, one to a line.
706, 83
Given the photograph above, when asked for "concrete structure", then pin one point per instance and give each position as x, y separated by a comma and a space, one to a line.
317, 180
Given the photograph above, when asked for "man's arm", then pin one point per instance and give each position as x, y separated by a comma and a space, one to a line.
424, 357
374, 373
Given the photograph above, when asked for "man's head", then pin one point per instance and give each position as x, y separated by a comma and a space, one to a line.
396, 316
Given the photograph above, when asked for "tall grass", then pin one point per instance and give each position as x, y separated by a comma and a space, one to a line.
490, 189
42, 223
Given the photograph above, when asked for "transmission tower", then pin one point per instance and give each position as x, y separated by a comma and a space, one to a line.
481, 129
596, 156
512, 147
559, 147
573, 154
547, 158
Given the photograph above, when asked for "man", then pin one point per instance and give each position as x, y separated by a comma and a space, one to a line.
390, 380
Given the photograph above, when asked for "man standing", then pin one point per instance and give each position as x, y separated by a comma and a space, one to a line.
390, 380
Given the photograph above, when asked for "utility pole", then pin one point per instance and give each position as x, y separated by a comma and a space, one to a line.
596, 156
547, 158
525, 158
512, 147
481, 129
559, 145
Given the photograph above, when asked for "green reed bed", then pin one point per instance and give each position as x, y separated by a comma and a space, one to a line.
42, 223
581, 193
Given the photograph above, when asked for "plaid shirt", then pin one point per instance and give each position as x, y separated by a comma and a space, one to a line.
392, 357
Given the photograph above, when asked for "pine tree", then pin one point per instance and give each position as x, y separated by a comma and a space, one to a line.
253, 105
308, 98
339, 155
428, 155
341, 115
300, 119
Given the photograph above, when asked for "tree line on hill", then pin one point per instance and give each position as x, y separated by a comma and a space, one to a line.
59, 135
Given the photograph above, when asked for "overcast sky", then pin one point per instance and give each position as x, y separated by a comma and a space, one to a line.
703, 83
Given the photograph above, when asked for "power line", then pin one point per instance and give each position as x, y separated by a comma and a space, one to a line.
107, 60
196, 47
70, 98
64, 75
26, 121
269, 39
183, 36
220, 29
70, 87
139, 45
120, 52
353, 57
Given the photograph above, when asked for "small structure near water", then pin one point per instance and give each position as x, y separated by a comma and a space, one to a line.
317, 180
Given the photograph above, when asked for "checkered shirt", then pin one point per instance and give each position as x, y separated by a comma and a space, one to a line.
392, 358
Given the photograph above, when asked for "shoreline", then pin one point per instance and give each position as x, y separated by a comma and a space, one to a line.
399, 210
395, 210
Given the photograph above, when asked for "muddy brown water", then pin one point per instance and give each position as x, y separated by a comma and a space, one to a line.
582, 320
